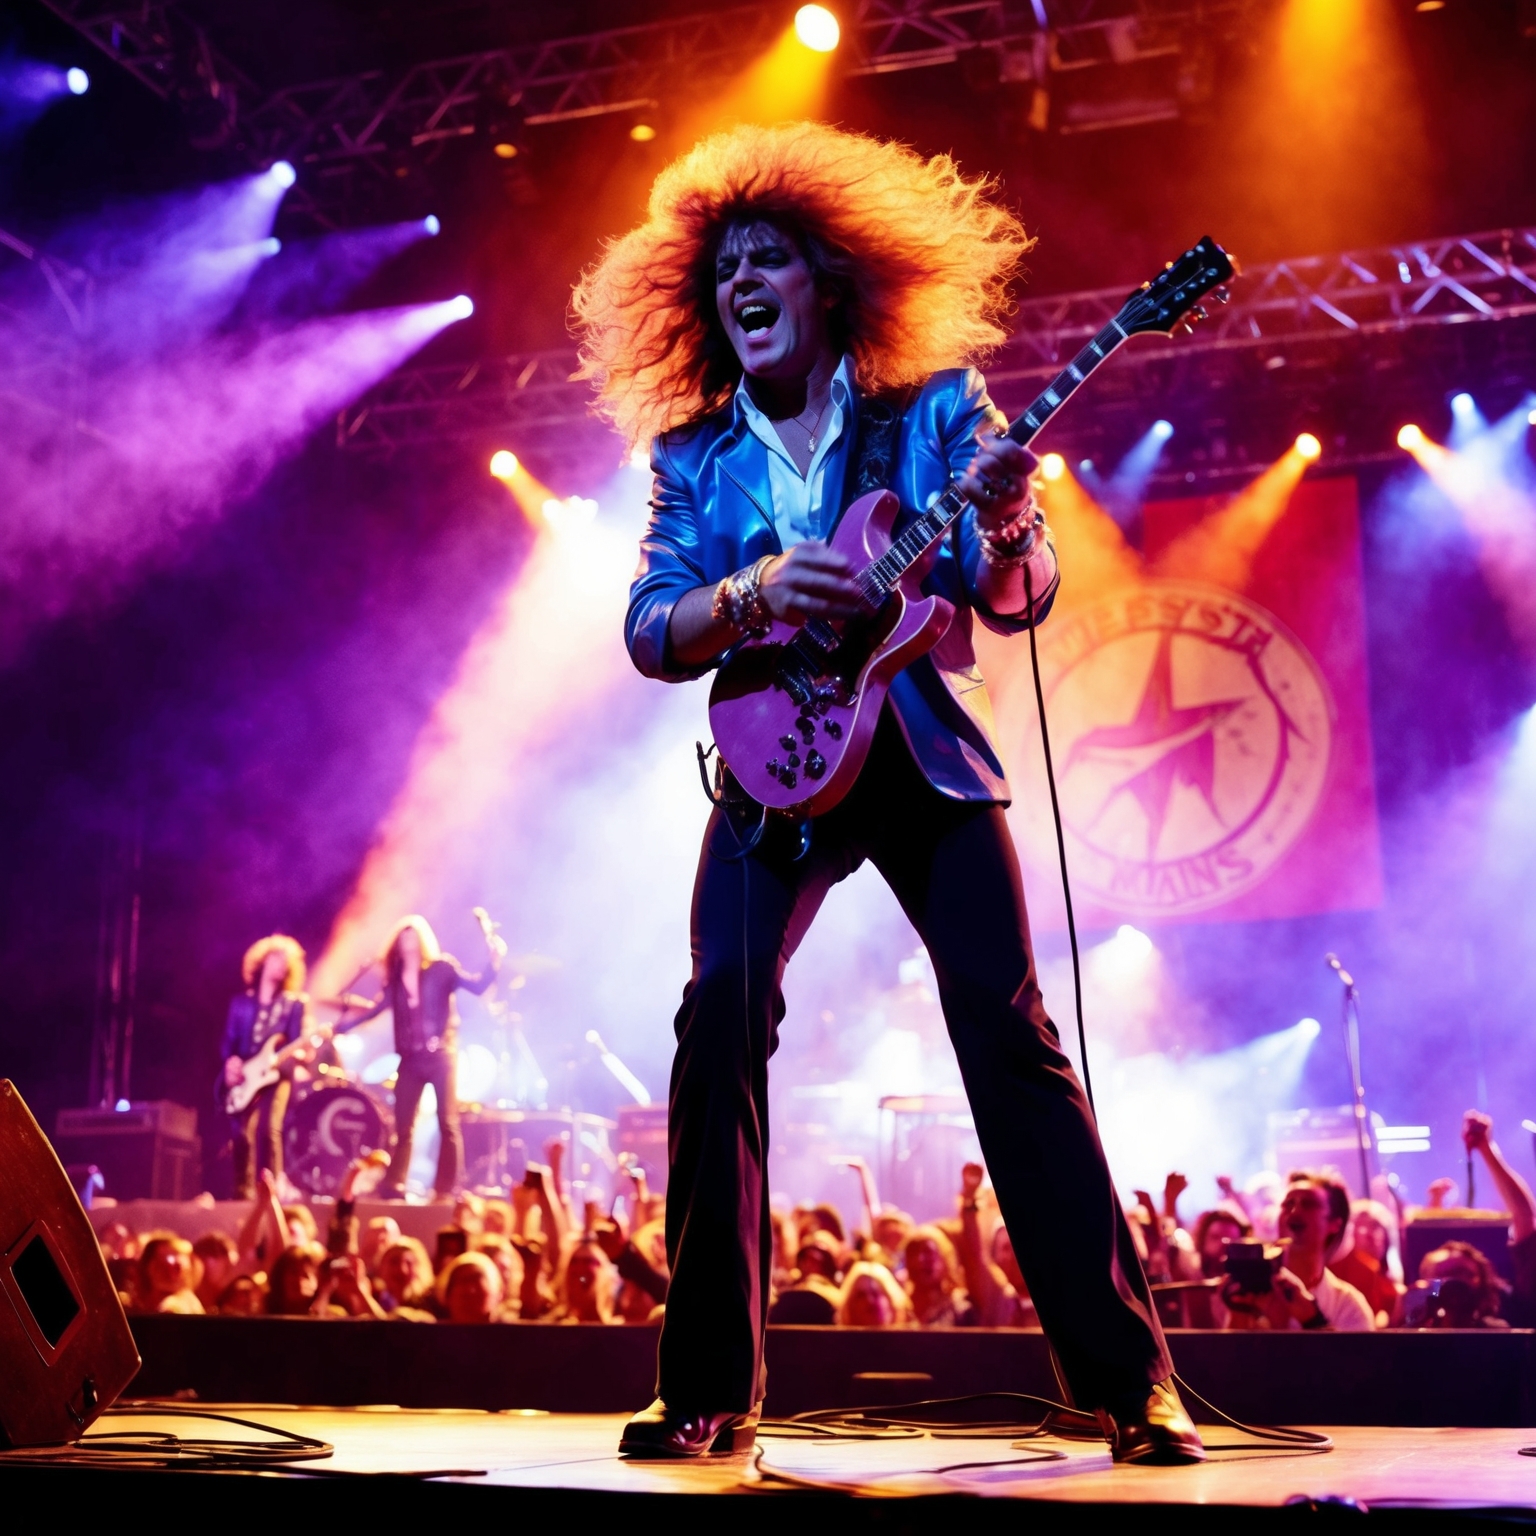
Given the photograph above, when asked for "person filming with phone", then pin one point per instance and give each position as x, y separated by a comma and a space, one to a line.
1291, 1286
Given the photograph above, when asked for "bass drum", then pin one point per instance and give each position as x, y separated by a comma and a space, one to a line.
328, 1127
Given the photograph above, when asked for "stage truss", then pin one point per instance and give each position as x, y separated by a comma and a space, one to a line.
1295, 329
354, 131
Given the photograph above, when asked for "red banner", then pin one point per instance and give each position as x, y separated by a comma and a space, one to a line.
1209, 713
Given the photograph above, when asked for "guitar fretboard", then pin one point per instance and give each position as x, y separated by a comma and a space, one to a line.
878, 579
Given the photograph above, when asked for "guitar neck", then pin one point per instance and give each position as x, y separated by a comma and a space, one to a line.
880, 576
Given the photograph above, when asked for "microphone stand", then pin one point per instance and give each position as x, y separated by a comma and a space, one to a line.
1352, 1053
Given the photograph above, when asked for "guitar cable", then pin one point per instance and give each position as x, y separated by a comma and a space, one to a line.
1061, 839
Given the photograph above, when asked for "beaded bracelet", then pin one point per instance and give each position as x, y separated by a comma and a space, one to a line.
738, 601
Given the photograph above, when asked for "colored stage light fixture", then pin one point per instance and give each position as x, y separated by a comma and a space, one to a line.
78, 81
1308, 447
462, 307
1085, 466
1463, 404
503, 464
642, 133
432, 224
1410, 437
1530, 416
817, 28
1162, 429
283, 173
506, 150
270, 246
1053, 466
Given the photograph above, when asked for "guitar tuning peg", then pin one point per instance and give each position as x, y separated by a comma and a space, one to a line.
1223, 295
1199, 312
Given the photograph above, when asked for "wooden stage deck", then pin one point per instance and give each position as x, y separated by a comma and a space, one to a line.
534, 1463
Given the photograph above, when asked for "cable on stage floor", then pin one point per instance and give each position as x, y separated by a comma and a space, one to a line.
151, 1450
154, 1451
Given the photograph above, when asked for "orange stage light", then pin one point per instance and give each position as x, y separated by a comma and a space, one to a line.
1221, 548
1053, 466
503, 464
1308, 447
817, 28
1410, 437
642, 133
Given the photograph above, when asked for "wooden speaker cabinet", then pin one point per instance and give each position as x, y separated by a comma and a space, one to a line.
66, 1351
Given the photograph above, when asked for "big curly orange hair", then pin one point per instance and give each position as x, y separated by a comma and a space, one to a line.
919, 256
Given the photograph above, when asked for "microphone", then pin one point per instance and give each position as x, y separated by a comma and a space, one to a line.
1343, 975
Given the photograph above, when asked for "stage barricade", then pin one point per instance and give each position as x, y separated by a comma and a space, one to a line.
1477, 1378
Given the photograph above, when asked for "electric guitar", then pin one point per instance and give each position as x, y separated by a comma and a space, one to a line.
266, 1066
794, 711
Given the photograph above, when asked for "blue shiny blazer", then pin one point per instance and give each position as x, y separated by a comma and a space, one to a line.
712, 514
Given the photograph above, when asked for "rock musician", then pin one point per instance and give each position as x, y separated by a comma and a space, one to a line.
272, 1006
785, 279
419, 983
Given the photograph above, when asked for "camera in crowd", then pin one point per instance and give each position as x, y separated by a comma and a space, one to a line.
1253, 1266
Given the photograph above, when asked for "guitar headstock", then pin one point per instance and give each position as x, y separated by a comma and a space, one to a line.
1172, 298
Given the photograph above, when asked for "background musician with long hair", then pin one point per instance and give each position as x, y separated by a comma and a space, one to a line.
272, 1007
419, 983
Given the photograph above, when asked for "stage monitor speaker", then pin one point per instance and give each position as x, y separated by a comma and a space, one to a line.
66, 1350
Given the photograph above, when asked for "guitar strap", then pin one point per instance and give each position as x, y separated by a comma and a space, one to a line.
872, 464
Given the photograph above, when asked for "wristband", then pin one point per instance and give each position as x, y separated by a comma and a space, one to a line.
1014, 543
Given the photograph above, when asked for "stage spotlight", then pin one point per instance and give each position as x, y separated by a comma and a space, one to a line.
1308, 447
1463, 404
282, 173
506, 150
1085, 466
432, 224
270, 246
1162, 429
461, 308
642, 133
817, 28
1410, 437
1530, 416
78, 81
1053, 466
503, 464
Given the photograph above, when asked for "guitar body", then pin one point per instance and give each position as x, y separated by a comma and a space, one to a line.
794, 719
260, 1071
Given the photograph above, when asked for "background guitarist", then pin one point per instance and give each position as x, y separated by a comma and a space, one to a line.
783, 278
419, 983
273, 1006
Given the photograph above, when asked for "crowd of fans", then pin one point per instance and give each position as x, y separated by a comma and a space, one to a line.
1291, 1253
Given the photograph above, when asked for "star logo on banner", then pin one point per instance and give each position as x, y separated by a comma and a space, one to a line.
1161, 746
1196, 734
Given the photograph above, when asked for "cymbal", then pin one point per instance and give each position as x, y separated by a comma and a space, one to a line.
343, 1004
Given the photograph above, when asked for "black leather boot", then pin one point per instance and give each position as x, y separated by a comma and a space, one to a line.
1152, 1431
663, 1431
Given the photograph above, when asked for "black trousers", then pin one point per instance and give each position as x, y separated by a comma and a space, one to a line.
441, 1069
258, 1137
953, 867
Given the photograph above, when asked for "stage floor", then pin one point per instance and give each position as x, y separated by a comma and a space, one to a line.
1380, 1468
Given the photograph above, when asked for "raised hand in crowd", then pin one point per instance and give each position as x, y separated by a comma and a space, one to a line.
1173, 1186
1477, 1136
